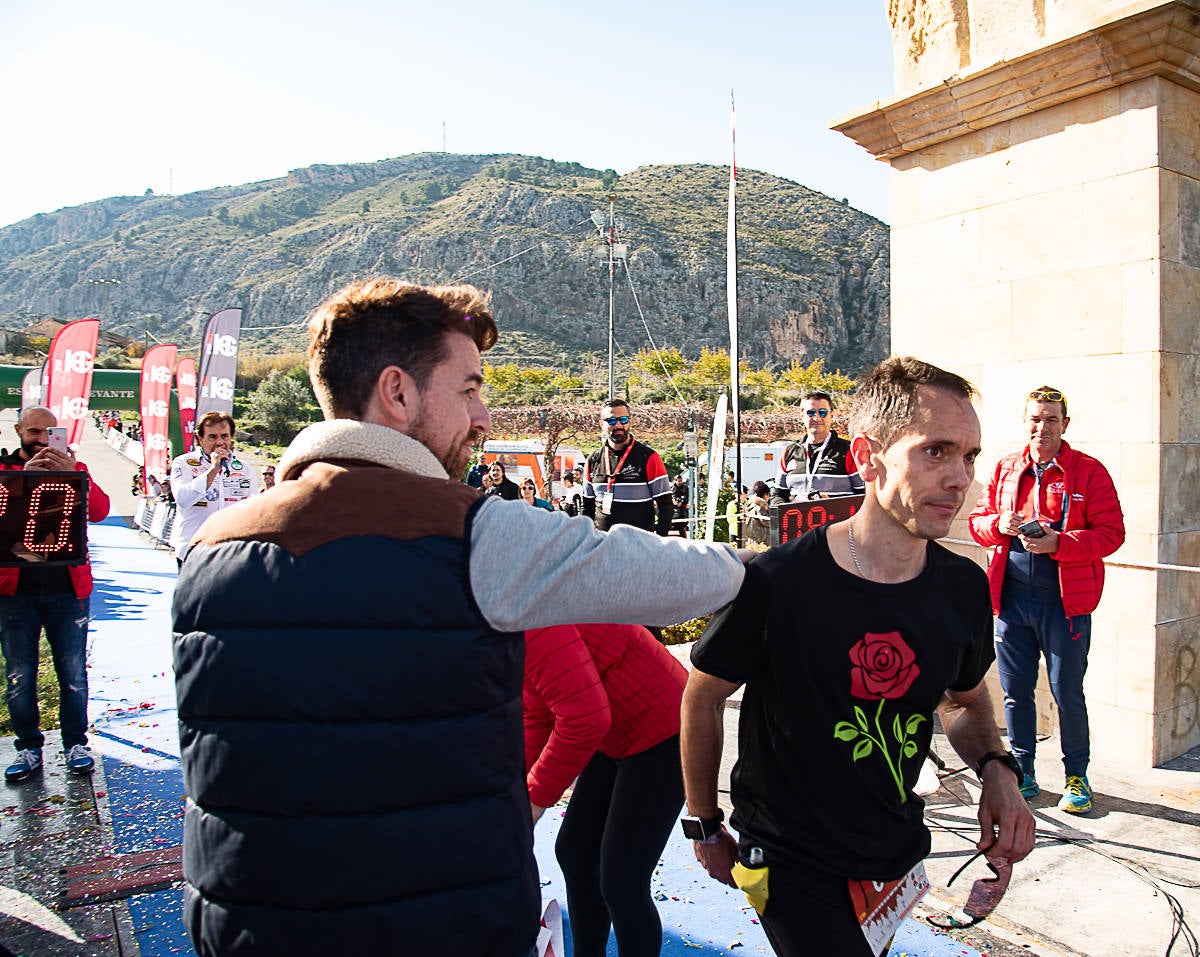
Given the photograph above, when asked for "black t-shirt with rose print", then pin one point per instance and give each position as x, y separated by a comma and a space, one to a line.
842, 676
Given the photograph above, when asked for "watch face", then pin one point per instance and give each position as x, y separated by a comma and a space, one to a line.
693, 830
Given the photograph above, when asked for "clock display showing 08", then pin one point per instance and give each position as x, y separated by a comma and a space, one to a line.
43, 518
790, 520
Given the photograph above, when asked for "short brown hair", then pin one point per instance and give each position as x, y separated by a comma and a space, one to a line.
884, 400
212, 418
369, 325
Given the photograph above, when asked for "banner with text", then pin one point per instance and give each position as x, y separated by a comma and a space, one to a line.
218, 362
185, 388
158, 367
69, 374
31, 389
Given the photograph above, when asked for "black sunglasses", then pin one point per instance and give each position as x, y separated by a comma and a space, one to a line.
813, 413
614, 419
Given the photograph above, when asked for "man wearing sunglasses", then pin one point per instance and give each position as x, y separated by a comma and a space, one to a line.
821, 466
626, 482
1051, 515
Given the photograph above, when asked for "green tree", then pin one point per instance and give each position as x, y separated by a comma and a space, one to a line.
798, 379
279, 404
653, 363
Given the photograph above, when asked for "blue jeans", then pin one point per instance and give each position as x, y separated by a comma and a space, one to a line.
65, 618
1032, 623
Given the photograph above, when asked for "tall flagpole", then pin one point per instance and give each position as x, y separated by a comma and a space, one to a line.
731, 291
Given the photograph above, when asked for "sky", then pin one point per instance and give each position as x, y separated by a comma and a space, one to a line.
114, 98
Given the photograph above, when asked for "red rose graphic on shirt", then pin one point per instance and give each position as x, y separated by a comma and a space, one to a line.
884, 667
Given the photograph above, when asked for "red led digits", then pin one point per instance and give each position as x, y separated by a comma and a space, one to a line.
61, 538
794, 519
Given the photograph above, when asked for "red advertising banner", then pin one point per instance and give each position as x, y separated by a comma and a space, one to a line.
185, 388
158, 368
69, 375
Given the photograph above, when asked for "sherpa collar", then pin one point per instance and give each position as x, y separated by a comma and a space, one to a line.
348, 439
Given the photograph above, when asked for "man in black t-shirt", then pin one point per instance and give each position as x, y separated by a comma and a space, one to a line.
840, 692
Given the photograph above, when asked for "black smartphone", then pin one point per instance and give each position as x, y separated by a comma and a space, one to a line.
1032, 529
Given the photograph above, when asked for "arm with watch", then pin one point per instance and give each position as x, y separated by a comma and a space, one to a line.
1007, 827
702, 735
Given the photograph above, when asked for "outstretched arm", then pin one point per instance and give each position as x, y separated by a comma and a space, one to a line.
1006, 825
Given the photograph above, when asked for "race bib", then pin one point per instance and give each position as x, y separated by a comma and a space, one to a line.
881, 906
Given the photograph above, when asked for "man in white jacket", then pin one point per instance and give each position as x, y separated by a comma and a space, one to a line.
208, 479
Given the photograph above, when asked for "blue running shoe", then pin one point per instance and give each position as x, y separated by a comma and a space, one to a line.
28, 762
1029, 788
78, 760
1077, 795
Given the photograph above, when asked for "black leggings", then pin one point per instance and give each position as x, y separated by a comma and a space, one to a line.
612, 836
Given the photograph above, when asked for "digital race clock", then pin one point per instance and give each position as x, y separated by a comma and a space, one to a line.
43, 518
790, 520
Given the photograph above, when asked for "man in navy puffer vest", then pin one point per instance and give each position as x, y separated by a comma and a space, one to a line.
348, 656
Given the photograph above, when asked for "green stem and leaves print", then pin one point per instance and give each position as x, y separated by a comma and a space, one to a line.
883, 668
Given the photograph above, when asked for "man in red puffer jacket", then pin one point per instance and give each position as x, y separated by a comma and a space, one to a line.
1050, 515
53, 597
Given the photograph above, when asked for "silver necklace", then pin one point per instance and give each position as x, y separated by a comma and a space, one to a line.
853, 553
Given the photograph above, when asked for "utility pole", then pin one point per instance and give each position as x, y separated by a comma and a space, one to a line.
616, 251
105, 285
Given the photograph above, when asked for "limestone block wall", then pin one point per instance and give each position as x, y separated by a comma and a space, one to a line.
1052, 249
1046, 229
936, 39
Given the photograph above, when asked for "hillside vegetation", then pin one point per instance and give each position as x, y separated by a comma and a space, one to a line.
813, 271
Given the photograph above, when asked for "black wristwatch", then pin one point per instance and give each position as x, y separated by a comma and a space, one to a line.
1004, 757
702, 828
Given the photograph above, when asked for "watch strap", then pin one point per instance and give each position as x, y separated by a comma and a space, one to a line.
1007, 758
702, 828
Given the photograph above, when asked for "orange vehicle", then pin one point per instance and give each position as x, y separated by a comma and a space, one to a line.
526, 458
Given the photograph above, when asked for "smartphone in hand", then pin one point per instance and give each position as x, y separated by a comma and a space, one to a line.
1032, 529
57, 439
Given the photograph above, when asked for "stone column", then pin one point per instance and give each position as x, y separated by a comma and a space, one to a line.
1046, 229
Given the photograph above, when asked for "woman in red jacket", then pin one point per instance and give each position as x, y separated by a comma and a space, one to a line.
602, 705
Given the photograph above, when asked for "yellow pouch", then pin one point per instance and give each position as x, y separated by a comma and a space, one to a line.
752, 881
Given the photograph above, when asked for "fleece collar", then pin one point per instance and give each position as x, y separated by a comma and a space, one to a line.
350, 440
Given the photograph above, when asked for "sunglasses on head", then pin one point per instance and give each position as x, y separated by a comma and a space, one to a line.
813, 413
614, 419
1046, 395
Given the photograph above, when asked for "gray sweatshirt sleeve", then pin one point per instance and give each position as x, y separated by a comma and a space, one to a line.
531, 568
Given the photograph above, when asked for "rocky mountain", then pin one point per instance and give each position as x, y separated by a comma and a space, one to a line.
813, 272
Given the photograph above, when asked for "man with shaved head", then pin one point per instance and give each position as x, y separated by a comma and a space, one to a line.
56, 598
